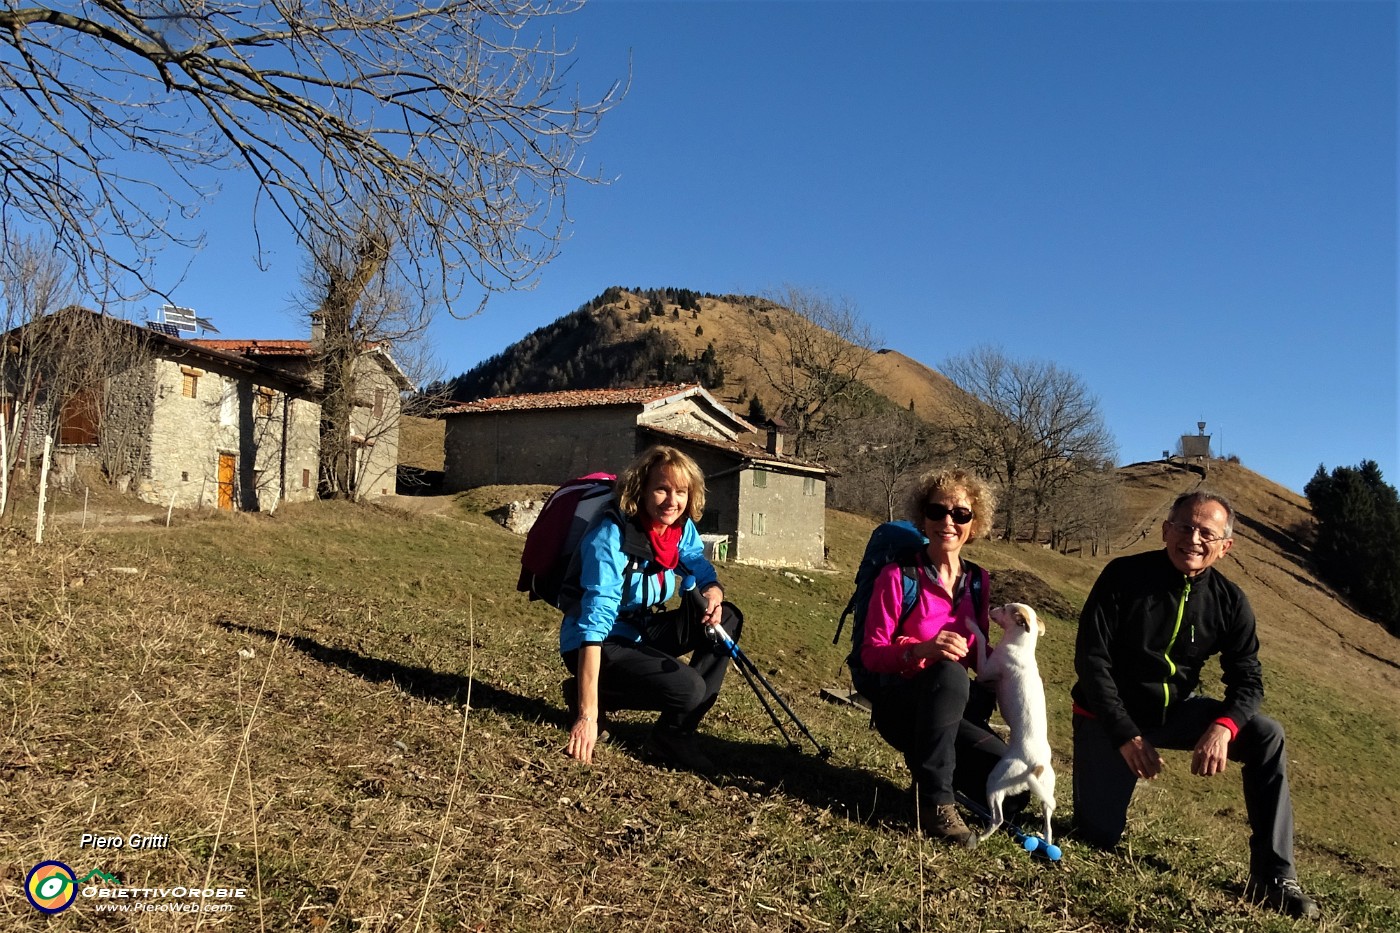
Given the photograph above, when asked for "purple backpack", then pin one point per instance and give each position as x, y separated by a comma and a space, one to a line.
548, 560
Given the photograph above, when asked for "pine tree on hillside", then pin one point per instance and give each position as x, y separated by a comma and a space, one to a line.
708, 370
582, 350
1358, 538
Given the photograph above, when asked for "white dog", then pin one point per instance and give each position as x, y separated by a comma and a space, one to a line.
1021, 698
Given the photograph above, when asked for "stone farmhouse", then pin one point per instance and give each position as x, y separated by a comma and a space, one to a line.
228, 424
771, 507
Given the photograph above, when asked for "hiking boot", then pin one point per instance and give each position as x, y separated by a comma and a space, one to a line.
569, 689
677, 749
944, 823
1284, 895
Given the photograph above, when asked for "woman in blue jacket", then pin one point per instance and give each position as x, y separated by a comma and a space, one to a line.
621, 648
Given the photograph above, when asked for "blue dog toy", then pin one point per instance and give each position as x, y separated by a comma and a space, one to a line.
1033, 843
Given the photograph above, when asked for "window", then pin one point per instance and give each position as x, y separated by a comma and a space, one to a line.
809, 485
189, 381
78, 419
228, 404
758, 523
379, 403
760, 478
305, 479
264, 402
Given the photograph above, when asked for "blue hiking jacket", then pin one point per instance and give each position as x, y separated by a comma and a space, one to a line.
605, 611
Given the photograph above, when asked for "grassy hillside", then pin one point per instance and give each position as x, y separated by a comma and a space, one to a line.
350, 713
726, 322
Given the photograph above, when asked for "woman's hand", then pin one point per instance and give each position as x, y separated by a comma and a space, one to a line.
946, 644
714, 605
582, 738
584, 735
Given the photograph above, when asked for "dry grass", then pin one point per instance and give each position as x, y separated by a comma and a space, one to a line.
350, 712
420, 442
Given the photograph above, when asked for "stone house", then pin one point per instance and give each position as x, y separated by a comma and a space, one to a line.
377, 409
771, 507
203, 423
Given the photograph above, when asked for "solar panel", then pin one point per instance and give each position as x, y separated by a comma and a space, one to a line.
160, 327
182, 318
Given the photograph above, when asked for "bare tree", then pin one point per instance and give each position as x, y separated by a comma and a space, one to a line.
878, 454
448, 120
1030, 425
68, 372
362, 312
1085, 508
35, 282
813, 361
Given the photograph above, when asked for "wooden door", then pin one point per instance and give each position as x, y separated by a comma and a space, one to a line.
226, 481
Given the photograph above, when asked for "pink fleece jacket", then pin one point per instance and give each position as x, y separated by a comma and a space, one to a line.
883, 650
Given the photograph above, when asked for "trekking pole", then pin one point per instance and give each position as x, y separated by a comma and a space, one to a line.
717, 635
755, 677
1033, 843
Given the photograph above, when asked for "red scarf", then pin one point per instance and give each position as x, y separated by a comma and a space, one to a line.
666, 545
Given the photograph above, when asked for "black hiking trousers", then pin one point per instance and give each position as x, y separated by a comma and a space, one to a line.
938, 720
1103, 783
650, 675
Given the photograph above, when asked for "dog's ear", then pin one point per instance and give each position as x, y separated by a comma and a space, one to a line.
1024, 617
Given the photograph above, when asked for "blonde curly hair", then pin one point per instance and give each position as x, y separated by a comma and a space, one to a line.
980, 496
632, 483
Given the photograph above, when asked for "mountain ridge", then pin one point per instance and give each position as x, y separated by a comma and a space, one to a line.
656, 326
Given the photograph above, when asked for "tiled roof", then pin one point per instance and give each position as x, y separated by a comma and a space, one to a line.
296, 349
258, 347
738, 448
576, 398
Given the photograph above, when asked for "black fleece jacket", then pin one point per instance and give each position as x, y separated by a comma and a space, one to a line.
1135, 660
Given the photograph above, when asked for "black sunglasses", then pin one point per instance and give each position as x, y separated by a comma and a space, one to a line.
937, 511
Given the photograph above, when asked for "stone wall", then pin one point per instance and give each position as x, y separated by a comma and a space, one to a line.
685, 416
781, 523
124, 437
542, 446
376, 473
122, 450
271, 439
550, 447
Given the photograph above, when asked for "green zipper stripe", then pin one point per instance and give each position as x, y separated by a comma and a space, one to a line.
1171, 665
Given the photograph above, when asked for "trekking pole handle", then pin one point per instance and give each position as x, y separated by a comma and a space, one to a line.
719, 636
716, 632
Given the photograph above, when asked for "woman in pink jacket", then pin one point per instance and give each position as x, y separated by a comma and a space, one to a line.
926, 706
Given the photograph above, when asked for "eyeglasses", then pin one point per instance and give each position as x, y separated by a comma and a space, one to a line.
1188, 530
937, 511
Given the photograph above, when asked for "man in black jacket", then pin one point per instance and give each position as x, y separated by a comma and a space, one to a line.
1149, 625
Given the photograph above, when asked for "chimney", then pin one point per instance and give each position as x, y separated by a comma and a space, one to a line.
318, 331
775, 441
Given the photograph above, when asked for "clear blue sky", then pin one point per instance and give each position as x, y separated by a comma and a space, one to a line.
1191, 205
